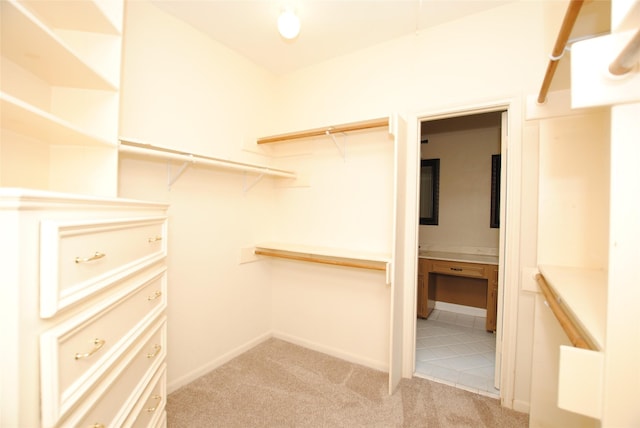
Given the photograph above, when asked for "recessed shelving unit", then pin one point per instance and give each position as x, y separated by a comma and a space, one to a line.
59, 96
45, 53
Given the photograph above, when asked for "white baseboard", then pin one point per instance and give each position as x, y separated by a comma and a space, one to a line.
376, 365
461, 309
521, 406
201, 371
195, 374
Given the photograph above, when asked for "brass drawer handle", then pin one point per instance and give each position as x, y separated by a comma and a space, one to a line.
155, 239
155, 295
96, 425
97, 344
153, 409
457, 269
96, 256
156, 350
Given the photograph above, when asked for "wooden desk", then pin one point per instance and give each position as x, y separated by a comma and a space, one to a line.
460, 282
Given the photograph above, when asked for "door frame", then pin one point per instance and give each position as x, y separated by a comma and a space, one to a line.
509, 254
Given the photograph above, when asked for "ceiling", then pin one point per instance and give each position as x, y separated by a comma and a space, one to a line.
329, 28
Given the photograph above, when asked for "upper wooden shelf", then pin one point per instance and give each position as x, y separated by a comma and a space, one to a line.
337, 129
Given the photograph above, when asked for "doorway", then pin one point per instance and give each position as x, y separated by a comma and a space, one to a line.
457, 334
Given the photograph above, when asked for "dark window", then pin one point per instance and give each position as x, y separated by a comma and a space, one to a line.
429, 190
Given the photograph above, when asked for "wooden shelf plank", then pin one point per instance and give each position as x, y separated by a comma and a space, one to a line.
337, 129
324, 255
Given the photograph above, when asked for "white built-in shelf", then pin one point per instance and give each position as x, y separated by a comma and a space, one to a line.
583, 293
325, 255
135, 147
43, 53
25, 119
95, 16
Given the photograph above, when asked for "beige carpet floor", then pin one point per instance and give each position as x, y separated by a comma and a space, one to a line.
278, 384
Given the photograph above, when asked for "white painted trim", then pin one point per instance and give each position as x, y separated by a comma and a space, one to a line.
510, 259
334, 352
214, 364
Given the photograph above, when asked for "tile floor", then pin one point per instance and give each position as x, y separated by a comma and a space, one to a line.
455, 349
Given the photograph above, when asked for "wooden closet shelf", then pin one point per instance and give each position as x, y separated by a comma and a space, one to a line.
329, 256
337, 129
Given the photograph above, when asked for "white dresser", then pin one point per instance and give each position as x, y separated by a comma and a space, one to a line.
83, 311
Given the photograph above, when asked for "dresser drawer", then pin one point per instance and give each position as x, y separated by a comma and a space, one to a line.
76, 353
115, 397
471, 270
78, 258
149, 410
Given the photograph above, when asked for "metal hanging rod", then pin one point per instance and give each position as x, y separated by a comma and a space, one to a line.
336, 129
568, 22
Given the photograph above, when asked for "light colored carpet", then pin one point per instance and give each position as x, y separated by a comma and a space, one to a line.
278, 384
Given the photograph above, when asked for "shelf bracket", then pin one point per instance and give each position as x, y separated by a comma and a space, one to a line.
185, 165
248, 186
342, 149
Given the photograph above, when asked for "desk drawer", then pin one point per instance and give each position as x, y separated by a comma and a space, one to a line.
459, 269
78, 259
121, 389
75, 354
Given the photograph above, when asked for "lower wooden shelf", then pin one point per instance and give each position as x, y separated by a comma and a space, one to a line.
325, 255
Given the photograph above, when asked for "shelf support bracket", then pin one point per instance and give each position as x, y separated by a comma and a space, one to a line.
185, 165
248, 186
342, 149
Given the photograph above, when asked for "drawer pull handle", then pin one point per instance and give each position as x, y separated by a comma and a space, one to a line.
156, 239
156, 350
97, 344
456, 269
153, 409
155, 295
96, 256
96, 425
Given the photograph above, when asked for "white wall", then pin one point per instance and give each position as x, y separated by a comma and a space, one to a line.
216, 104
175, 96
497, 55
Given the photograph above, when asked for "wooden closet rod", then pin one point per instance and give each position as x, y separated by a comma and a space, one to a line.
337, 129
336, 261
625, 61
568, 22
567, 324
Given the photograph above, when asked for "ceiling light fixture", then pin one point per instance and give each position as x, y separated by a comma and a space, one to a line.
288, 24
